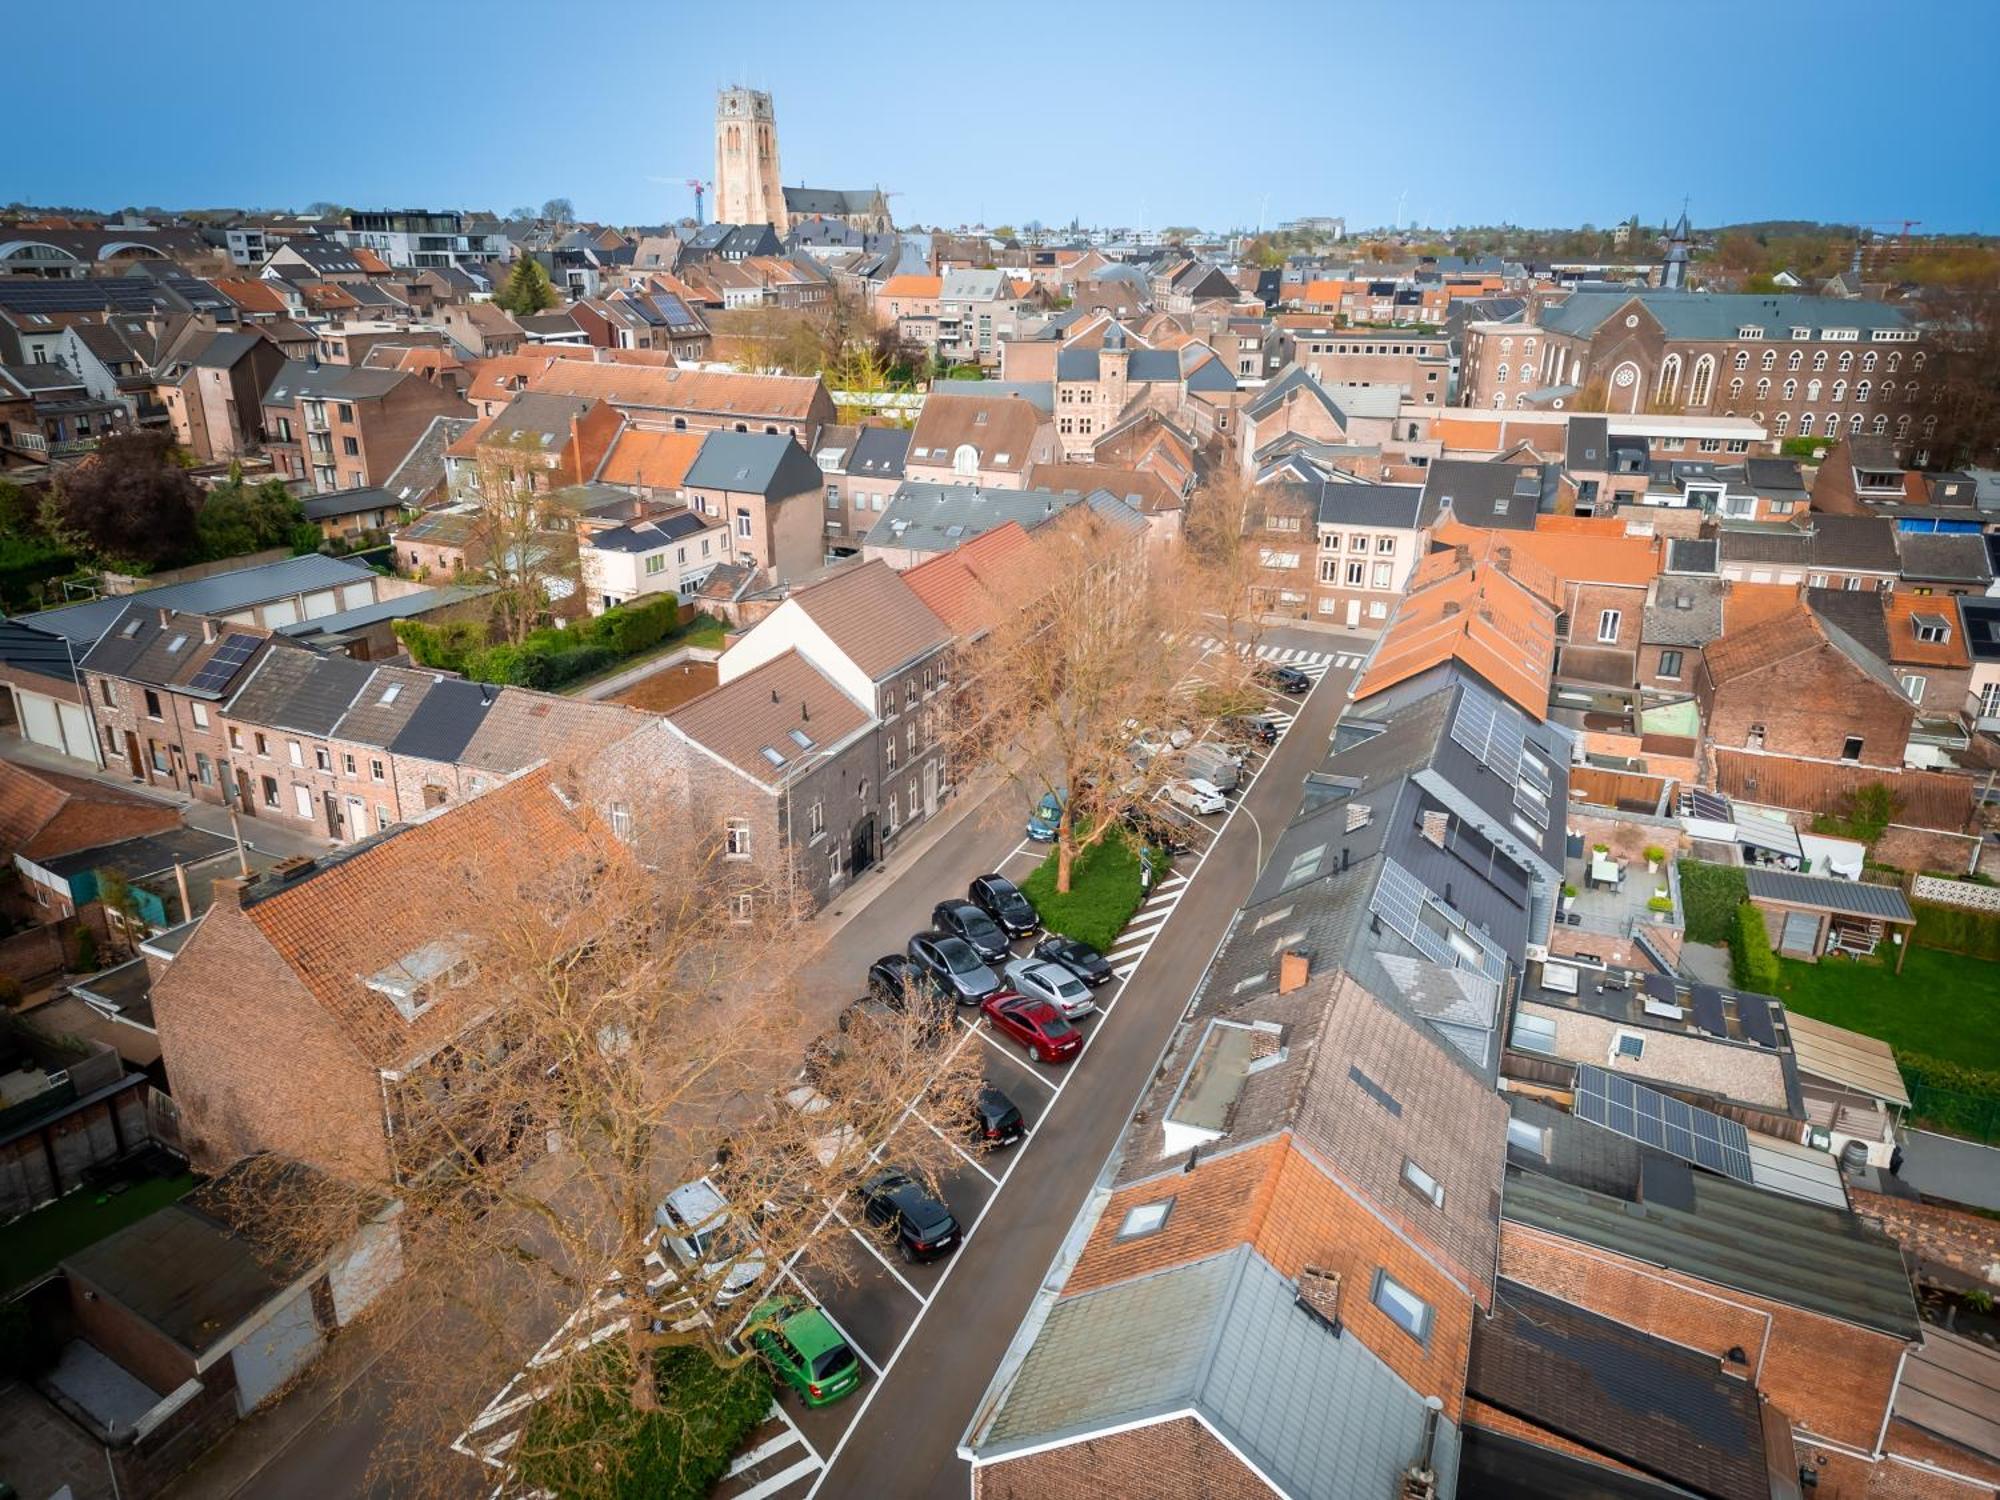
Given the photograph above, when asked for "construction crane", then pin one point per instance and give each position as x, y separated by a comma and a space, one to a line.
699, 187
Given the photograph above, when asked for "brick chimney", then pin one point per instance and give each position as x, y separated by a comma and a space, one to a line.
1294, 968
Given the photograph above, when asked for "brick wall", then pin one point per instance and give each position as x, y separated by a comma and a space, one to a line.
1180, 1458
1809, 705
257, 1064
1830, 1377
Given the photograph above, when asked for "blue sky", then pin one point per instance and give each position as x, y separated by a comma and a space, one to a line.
1536, 112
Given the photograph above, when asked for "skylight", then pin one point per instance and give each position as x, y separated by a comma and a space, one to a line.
176, 643
772, 755
392, 692
800, 738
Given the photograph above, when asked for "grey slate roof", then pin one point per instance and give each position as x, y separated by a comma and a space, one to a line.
1040, 394
422, 470
650, 534
1372, 505
39, 651
758, 463
225, 348
1982, 626
300, 381
1856, 613
1498, 496
446, 720
926, 517
1850, 897
879, 452
218, 594
1320, 1415
348, 502
1688, 613
1944, 557
1714, 317
1687, 554
1589, 443
401, 607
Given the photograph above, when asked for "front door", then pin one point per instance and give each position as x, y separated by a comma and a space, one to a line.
861, 852
1353, 613
332, 816
930, 788
132, 756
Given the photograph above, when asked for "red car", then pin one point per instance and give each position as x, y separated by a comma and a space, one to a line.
1035, 1024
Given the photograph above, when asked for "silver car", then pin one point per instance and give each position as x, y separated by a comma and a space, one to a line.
698, 1227
1039, 979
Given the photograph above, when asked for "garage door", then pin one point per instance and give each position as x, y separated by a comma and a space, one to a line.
285, 1343
40, 722
78, 737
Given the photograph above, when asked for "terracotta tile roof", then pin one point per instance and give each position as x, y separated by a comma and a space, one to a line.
739, 719
351, 916
499, 376
1571, 554
326, 296
1747, 604
968, 586
1000, 429
650, 460
1900, 612
873, 618
1145, 489
46, 813
1755, 647
1477, 614
251, 295
636, 387
1925, 799
370, 262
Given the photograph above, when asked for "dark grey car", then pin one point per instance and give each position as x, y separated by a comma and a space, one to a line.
953, 960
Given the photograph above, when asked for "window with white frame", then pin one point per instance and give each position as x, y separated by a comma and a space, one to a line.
1913, 685
1420, 1182
736, 834
1607, 626
1402, 1306
816, 818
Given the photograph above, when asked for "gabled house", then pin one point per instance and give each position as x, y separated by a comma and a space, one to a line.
988, 441
1798, 685
766, 489
345, 426
214, 396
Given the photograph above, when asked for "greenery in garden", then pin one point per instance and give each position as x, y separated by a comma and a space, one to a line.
553, 657
1104, 892
1710, 895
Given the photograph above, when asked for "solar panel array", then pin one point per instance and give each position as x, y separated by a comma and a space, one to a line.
1656, 1119
1498, 735
1403, 901
218, 669
1708, 1013
79, 294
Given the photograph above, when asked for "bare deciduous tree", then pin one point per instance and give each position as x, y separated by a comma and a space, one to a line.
525, 537
631, 1029
1084, 680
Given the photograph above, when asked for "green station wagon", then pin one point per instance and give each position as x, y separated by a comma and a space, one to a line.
805, 1350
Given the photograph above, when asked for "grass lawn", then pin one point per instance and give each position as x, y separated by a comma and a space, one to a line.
703, 630
1942, 1005
1103, 893
31, 1245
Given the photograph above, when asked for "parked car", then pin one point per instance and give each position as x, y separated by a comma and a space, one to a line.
954, 962
1037, 1025
804, 1350
1213, 764
696, 1223
996, 1119
1256, 729
1039, 979
869, 1009
1002, 900
1284, 679
1197, 796
1082, 960
964, 920
896, 978
924, 1227
1156, 831
1047, 816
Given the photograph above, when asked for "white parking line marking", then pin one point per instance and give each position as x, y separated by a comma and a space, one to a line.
785, 1416
751, 1457
1007, 1051
869, 1245
960, 1150
781, 1480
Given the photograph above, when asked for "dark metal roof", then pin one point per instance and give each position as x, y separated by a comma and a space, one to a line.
348, 502
1853, 898
446, 720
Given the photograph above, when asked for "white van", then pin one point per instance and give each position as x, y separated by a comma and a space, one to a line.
1197, 796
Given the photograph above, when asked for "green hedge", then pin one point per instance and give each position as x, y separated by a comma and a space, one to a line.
1710, 895
546, 659
1103, 893
1956, 930
593, 1443
1753, 965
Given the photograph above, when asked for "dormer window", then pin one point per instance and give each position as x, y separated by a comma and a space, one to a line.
1934, 630
419, 979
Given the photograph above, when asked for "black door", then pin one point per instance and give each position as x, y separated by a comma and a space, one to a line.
861, 853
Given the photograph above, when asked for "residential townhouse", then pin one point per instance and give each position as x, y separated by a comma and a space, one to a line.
821, 744
1369, 539
282, 1020
652, 465
1414, 362
1098, 387
485, 328
214, 397
1980, 621
343, 427
990, 441
1799, 686
1820, 551
664, 550
538, 443
924, 520
1353, 427
767, 490
977, 312
1943, 562
46, 412
682, 400
864, 467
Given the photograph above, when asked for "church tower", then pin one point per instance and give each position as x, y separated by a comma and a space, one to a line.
748, 187
1674, 275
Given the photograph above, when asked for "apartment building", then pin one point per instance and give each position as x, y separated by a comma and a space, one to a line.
343, 426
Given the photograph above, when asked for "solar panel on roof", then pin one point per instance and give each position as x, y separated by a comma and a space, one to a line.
1755, 1014
219, 668
1659, 987
1652, 1118
1708, 1010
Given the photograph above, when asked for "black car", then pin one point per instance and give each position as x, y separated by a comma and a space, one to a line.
996, 1121
872, 1010
1284, 679
1251, 728
924, 1227
964, 920
952, 960
896, 978
1082, 960
1002, 900
1159, 832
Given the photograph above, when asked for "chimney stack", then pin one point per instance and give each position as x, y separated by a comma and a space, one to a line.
1294, 968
